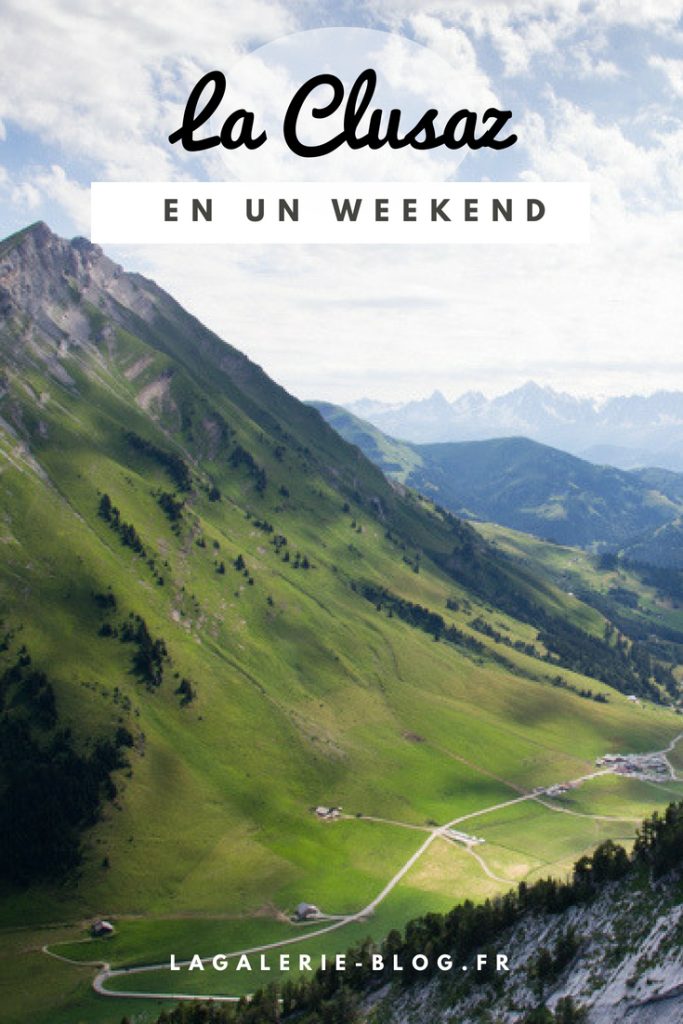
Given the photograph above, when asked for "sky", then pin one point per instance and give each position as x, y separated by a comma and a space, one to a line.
90, 89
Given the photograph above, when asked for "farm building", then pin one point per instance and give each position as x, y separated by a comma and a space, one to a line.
327, 812
100, 929
463, 837
306, 911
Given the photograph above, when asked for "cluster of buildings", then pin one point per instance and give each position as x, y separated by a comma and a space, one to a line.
650, 767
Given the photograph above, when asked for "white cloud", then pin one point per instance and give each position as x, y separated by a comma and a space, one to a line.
455, 46
105, 82
523, 30
571, 144
673, 69
27, 196
396, 322
584, 58
48, 185
74, 199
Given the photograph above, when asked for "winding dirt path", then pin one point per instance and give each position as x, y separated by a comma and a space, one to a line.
486, 869
106, 972
669, 750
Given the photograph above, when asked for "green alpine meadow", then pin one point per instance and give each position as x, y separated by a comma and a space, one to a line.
255, 695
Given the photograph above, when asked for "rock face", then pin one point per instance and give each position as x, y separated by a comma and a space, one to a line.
628, 968
40, 268
41, 275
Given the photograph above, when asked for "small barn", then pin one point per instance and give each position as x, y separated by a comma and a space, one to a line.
326, 813
101, 929
306, 911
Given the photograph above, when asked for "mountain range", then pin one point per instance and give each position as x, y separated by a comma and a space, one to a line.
218, 617
626, 431
535, 488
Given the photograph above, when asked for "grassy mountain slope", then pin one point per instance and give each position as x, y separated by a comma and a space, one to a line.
397, 459
644, 602
187, 554
662, 547
525, 485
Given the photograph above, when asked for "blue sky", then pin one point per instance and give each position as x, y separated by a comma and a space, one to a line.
91, 89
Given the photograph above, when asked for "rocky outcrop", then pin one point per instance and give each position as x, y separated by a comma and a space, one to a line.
628, 967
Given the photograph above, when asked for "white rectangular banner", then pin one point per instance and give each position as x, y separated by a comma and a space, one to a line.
366, 213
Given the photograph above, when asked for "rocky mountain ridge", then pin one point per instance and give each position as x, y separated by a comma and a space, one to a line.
628, 967
626, 431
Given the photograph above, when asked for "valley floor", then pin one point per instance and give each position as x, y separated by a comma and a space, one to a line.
155, 980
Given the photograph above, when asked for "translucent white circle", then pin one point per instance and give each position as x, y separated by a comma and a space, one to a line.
410, 78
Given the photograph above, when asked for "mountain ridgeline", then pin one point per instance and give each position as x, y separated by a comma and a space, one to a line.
625, 431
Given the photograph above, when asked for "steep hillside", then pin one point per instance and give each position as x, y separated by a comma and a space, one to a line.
642, 601
531, 487
397, 459
525, 485
662, 480
217, 616
662, 546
